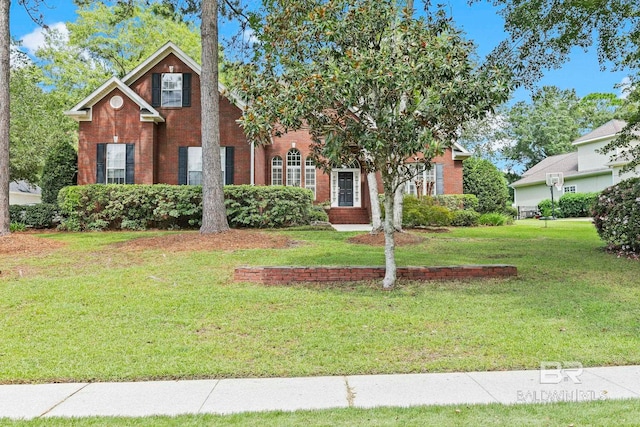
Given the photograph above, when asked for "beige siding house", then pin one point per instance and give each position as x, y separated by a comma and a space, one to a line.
585, 170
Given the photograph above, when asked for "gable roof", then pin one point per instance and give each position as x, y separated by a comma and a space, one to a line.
171, 48
565, 163
607, 130
82, 111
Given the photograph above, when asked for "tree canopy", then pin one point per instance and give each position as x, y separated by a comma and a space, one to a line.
543, 32
371, 81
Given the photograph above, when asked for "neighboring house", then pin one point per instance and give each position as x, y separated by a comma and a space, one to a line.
24, 193
145, 129
585, 170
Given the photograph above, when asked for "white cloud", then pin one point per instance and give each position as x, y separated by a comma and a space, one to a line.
625, 87
35, 40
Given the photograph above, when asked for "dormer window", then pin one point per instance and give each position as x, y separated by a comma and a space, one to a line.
171, 90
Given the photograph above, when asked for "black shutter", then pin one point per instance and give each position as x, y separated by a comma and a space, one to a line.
439, 178
186, 90
156, 89
101, 166
129, 173
228, 166
182, 165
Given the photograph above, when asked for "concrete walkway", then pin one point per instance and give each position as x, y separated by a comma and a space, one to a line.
352, 227
226, 396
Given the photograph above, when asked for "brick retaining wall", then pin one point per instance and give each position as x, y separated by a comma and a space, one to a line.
285, 275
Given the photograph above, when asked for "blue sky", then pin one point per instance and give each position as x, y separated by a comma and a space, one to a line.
480, 22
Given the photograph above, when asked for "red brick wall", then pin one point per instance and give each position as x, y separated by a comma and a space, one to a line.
108, 122
157, 145
285, 275
280, 147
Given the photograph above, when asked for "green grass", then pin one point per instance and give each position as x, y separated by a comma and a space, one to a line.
93, 312
600, 413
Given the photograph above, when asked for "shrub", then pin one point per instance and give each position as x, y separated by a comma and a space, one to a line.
455, 202
421, 212
267, 207
616, 215
139, 207
494, 219
574, 205
482, 178
510, 211
317, 213
42, 215
545, 209
465, 218
135, 207
60, 170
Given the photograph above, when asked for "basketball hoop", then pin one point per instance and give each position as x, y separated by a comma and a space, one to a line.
555, 178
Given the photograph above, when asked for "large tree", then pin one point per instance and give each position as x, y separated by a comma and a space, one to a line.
5, 66
371, 81
543, 32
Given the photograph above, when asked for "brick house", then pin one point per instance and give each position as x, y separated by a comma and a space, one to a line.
145, 129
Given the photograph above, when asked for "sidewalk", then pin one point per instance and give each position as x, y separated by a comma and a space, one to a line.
228, 396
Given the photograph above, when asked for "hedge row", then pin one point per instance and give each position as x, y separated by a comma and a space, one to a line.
42, 215
570, 205
139, 207
442, 211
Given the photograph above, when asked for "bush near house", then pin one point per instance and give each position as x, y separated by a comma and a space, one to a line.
482, 178
139, 207
41, 215
545, 207
616, 215
423, 212
60, 170
455, 202
575, 205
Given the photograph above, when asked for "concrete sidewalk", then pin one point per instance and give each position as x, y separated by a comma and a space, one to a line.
228, 396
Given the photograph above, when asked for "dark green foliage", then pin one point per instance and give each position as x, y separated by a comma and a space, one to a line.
317, 213
575, 205
465, 218
482, 178
510, 211
545, 208
139, 207
456, 202
267, 207
41, 215
60, 170
422, 212
494, 219
616, 215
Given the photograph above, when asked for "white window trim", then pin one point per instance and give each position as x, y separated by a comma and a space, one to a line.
564, 189
192, 164
294, 171
163, 90
427, 176
279, 168
310, 176
111, 167
357, 200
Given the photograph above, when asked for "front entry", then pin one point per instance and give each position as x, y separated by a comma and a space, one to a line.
345, 188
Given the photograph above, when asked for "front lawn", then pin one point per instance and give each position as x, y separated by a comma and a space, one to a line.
616, 413
98, 309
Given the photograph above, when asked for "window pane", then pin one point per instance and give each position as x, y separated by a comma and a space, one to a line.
195, 178
310, 176
293, 168
171, 90
276, 171
116, 163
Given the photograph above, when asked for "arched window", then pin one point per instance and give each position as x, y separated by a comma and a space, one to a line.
276, 170
294, 166
310, 175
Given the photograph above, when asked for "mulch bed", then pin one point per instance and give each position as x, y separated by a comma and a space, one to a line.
193, 241
27, 244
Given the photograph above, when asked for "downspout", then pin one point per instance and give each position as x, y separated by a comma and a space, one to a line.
253, 165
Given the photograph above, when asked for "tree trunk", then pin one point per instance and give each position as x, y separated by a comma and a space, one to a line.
397, 207
376, 221
5, 64
389, 280
214, 216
